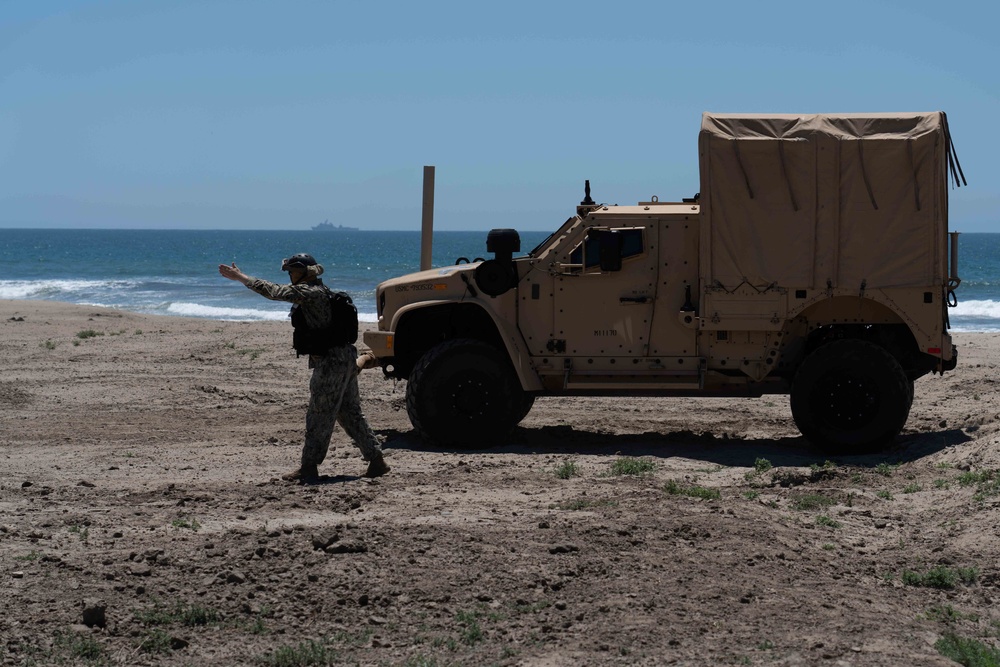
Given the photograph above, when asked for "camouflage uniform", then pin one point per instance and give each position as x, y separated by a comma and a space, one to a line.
333, 388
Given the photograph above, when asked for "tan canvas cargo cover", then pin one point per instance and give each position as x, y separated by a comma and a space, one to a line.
799, 200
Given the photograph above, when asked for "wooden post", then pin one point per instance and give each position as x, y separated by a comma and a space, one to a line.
427, 220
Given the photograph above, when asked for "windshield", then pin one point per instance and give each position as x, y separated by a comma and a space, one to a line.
565, 225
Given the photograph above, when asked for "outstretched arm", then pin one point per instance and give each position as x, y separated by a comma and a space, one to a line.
233, 273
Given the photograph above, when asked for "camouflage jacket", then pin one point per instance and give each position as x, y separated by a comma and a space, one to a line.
310, 297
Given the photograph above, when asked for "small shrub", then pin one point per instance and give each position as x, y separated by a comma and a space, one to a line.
948, 614
88, 333
823, 520
884, 494
912, 488
195, 614
184, 522
762, 465
969, 478
751, 495
303, 654
531, 608
48, 345
987, 483
155, 641
190, 615
941, 577
941, 484
675, 489
967, 652
420, 660
813, 501
632, 466
472, 633
885, 469
79, 646
566, 470
826, 465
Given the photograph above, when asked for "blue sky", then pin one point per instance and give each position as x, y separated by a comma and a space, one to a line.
266, 115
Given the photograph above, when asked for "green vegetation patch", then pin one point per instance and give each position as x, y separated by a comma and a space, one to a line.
88, 333
673, 488
186, 522
303, 654
941, 577
813, 501
886, 469
987, 483
632, 466
190, 615
967, 652
566, 470
583, 504
82, 646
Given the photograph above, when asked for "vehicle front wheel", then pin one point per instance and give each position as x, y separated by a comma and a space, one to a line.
464, 393
850, 396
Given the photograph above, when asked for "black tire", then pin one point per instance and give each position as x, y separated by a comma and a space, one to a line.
464, 393
527, 401
850, 396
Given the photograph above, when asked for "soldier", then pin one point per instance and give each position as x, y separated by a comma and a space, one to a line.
333, 388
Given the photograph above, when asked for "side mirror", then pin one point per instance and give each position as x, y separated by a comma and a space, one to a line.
610, 245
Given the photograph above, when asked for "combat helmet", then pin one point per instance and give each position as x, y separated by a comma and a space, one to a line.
299, 261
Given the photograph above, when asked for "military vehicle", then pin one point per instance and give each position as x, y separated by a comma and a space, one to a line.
814, 262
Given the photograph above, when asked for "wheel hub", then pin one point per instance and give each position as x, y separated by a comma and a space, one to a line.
847, 401
471, 398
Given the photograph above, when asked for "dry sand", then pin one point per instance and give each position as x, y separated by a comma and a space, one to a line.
139, 493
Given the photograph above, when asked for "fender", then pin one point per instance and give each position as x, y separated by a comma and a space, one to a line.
881, 306
506, 327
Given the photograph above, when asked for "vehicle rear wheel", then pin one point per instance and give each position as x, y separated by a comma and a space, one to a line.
464, 393
850, 396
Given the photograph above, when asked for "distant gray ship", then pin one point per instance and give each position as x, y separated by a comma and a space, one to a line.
325, 226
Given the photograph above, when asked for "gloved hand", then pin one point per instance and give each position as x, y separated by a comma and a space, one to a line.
366, 360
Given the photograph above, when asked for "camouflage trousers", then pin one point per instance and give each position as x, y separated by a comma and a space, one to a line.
334, 399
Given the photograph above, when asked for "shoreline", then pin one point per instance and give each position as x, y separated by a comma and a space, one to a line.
363, 323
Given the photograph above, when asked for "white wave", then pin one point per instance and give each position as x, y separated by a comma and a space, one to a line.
977, 309
56, 289
223, 313
12, 289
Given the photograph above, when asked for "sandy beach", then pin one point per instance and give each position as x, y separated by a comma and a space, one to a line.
143, 520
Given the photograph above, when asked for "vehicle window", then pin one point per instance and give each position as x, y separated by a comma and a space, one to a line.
631, 246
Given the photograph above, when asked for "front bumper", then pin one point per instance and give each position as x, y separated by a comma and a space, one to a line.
381, 343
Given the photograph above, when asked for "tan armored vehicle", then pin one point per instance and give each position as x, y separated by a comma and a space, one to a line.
814, 263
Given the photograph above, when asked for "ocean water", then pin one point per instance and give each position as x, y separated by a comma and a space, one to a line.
175, 272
